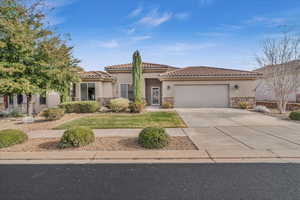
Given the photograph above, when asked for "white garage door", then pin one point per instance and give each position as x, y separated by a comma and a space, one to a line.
197, 96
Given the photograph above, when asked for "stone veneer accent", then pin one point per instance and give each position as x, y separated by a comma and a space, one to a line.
235, 101
169, 99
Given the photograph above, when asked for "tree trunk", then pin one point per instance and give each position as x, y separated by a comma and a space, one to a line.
281, 105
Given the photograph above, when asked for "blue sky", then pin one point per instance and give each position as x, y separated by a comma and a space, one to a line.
222, 33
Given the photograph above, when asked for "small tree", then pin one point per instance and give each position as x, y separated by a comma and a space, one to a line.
280, 67
33, 59
137, 77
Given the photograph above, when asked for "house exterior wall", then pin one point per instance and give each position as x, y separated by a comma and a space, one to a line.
104, 91
126, 78
52, 100
264, 93
245, 92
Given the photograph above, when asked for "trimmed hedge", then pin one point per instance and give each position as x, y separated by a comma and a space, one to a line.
153, 138
80, 106
119, 105
53, 113
295, 115
11, 137
77, 137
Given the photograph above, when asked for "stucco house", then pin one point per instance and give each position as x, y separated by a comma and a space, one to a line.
264, 93
189, 87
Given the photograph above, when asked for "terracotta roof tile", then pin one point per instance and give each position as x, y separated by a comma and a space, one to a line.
146, 66
203, 71
95, 75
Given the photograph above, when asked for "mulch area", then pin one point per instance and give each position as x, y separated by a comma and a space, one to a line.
39, 124
100, 144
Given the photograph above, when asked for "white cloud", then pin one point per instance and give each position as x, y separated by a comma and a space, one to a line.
130, 30
276, 21
154, 18
110, 44
136, 12
182, 16
141, 38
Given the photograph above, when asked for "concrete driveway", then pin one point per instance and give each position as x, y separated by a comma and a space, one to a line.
231, 132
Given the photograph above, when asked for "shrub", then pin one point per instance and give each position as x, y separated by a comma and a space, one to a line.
4, 114
262, 109
15, 113
153, 138
244, 105
295, 115
10, 137
80, 106
119, 105
136, 107
53, 113
77, 137
167, 105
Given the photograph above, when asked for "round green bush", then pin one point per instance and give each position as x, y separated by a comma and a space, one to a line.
153, 138
53, 113
295, 115
119, 104
10, 137
77, 137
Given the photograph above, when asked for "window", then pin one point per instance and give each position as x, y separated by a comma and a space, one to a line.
43, 100
126, 91
20, 99
87, 91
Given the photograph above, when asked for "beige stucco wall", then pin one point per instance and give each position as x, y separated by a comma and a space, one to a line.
265, 93
102, 90
126, 78
246, 88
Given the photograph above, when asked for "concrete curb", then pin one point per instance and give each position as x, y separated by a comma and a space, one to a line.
94, 157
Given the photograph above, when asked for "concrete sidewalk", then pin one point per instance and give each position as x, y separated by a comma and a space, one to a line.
150, 156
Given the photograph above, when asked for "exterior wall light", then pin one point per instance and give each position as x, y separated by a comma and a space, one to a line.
168, 87
236, 87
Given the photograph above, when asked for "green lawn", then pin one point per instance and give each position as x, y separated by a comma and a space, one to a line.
113, 120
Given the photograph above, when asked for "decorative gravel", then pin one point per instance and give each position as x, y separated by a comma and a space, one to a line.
100, 144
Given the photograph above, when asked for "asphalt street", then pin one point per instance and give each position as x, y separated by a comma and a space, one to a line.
150, 181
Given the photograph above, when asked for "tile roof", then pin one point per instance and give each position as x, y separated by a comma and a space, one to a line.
146, 66
203, 71
96, 75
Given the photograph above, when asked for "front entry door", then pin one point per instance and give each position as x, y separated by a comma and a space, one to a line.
155, 96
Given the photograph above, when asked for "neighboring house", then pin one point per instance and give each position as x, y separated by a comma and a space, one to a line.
264, 93
190, 87
19, 102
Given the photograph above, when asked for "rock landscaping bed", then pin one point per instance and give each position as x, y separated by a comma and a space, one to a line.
100, 144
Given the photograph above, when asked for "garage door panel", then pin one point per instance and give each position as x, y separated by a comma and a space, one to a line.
195, 96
